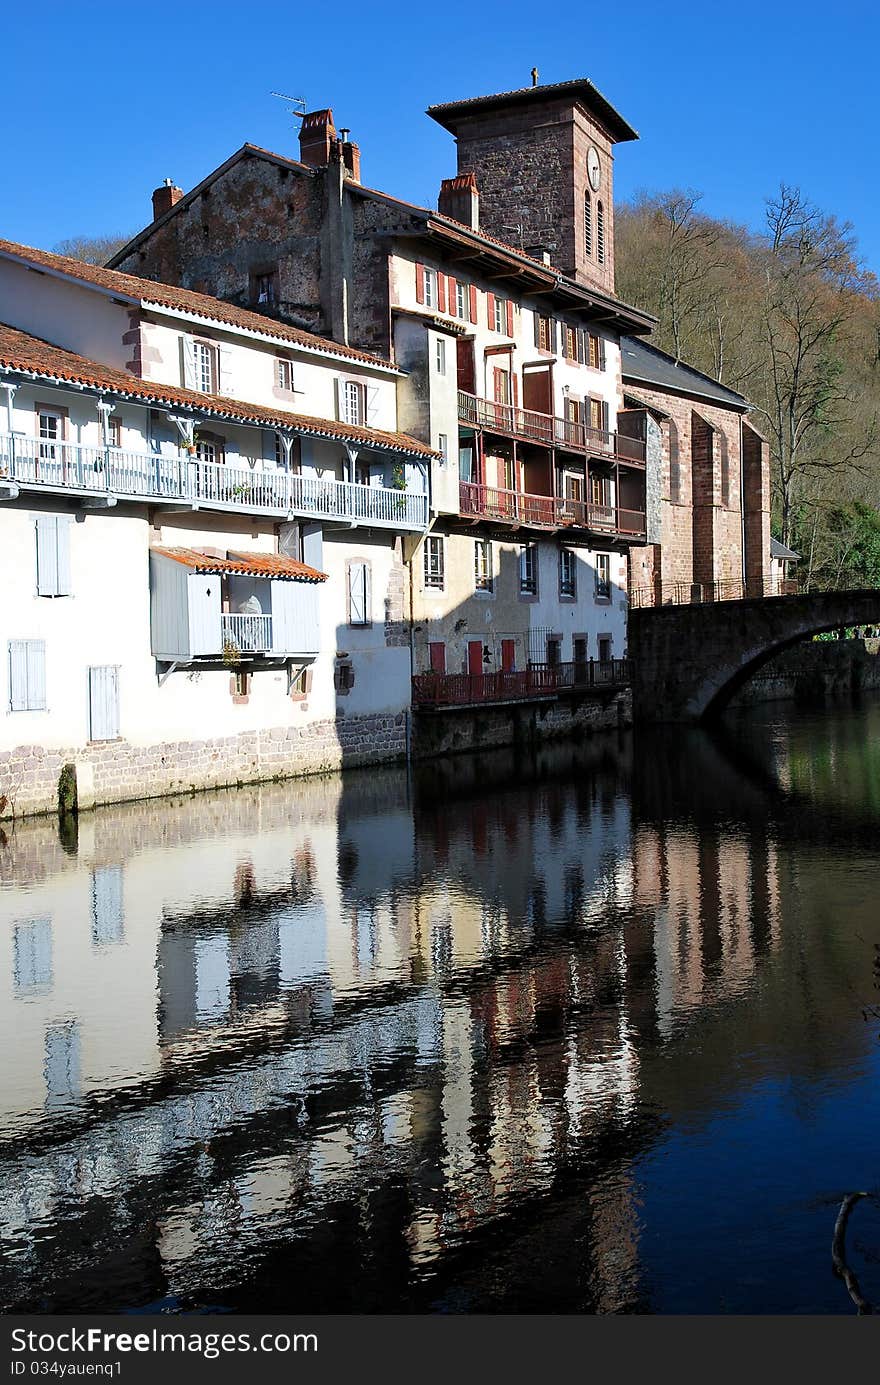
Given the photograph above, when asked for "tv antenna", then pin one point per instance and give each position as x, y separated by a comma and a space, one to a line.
298, 103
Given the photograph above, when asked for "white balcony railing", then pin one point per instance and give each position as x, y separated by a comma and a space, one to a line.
39, 464
248, 634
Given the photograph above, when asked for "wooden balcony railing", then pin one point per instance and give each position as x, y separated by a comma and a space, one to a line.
547, 511
247, 634
92, 471
547, 429
536, 681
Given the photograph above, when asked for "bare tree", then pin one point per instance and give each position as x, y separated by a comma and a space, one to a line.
92, 249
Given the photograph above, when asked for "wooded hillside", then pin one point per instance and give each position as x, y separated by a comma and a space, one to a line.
790, 318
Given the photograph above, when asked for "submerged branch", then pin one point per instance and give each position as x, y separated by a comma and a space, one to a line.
838, 1254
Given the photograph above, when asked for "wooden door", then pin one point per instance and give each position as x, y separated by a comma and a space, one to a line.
536, 391
437, 654
475, 656
508, 656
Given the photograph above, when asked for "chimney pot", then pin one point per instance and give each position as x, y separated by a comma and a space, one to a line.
460, 200
317, 136
165, 197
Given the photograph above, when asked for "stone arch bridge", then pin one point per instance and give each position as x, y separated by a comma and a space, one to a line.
688, 661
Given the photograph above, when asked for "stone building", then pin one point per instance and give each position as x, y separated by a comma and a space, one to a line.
714, 485
499, 308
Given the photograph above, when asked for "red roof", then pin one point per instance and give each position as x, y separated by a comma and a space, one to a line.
244, 564
20, 351
148, 292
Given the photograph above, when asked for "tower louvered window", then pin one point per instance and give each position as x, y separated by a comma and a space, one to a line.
588, 224
600, 233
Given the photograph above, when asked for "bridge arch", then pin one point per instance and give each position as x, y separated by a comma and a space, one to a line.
688, 661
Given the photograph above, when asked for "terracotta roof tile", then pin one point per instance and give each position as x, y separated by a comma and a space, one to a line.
244, 564
21, 351
202, 305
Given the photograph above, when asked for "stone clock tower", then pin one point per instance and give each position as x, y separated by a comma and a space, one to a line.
543, 160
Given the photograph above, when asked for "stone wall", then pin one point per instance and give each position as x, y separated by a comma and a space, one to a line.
818, 670
486, 728
116, 771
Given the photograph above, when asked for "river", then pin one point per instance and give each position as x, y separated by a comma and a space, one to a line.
592, 1031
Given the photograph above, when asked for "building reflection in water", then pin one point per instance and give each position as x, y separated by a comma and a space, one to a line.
369, 1042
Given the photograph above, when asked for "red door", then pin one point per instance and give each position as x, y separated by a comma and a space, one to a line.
437, 653
475, 656
467, 375
508, 656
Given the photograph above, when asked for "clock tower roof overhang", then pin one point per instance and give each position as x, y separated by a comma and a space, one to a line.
580, 91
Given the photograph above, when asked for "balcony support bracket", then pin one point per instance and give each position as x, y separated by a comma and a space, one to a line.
166, 671
8, 489
98, 502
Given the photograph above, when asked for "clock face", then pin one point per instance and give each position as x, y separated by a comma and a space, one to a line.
594, 169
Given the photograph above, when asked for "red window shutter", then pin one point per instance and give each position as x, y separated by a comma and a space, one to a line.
441, 293
509, 318
473, 303
420, 283
514, 385
490, 311
451, 296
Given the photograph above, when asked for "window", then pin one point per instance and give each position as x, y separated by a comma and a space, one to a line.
264, 289
554, 651
603, 575
53, 555
114, 432
567, 577
204, 363
462, 306
674, 465
343, 677
27, 675
435, 561
354, 403
571, 343
284, 374
209, 448
543, 332
588, 224
528, 570
604, 647
443, 446
359, 593
104, 703
50, 428
499, 315
599, 415
596, 352
441, 356
600, 233
725, 471
62, 1063
483, 565
430, 288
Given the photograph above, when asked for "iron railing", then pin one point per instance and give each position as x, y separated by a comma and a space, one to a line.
536, 681
547, 511
43, 464
548, 429
706, 593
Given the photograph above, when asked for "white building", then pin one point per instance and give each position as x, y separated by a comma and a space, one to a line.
203, 519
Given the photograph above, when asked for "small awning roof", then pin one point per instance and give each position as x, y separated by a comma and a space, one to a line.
779, 550
244, 564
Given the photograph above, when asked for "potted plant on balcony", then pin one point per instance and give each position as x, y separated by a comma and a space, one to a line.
191, 447
231, 653
398, 483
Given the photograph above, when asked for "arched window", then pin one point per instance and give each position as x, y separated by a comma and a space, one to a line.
588, 224
600, 233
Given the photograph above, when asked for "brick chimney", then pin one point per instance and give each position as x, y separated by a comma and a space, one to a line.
316, 138
165, 197
351, 157
460, 200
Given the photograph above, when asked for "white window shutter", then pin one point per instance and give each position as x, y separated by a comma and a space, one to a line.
187, 363
18, 675
225, 371
47, 556
36, 675
62, 535
340, 399
104, 703
372, 413
357, 593
368, 594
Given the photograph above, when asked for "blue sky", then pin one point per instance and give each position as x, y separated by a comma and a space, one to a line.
101, 102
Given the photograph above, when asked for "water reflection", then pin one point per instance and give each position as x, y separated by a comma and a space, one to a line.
485, 1040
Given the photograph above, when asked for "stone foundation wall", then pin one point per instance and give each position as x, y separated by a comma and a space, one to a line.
489, 728
818, 670
116, 771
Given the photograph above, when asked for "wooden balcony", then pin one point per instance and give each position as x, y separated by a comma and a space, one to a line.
104, 475
548, 511
435, 691
547, 430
